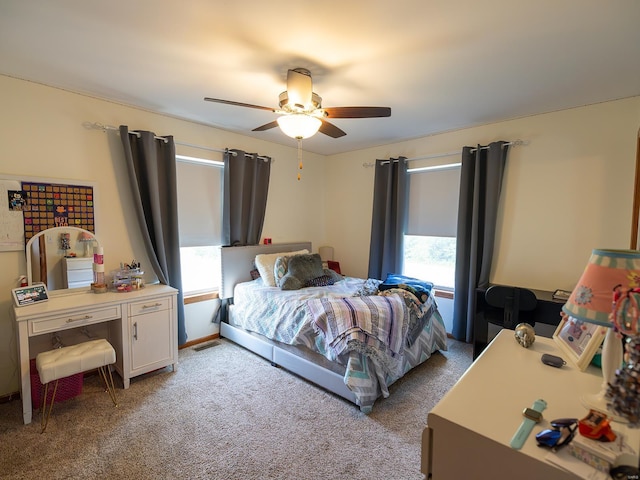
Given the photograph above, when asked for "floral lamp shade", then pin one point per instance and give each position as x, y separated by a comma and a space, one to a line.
606, 278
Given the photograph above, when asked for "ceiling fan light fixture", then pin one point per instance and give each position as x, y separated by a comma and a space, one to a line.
299, 125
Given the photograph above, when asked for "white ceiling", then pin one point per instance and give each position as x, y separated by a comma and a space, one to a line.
439, 64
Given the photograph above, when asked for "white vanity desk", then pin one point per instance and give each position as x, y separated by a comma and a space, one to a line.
141, 325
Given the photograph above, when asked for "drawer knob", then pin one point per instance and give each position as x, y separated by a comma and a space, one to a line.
86, 317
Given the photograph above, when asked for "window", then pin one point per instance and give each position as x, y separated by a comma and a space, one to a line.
200, 189
431, 258
430, 239
200, 269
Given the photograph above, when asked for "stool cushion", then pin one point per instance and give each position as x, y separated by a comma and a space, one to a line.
66, 361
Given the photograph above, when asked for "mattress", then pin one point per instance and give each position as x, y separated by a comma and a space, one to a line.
295, 320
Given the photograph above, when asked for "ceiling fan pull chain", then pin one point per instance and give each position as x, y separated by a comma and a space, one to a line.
299, 156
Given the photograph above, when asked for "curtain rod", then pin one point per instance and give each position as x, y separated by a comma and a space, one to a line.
515, 143
104, 128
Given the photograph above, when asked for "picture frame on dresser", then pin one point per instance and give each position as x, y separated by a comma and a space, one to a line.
578, 340
28, 295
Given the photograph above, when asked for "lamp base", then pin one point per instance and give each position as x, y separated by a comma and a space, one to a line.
611, 361
597, 401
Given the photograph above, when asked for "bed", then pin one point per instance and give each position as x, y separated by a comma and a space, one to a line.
311, 332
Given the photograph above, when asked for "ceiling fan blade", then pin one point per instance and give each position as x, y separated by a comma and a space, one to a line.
331, 130
357, 112
238, 104
299, 88
266, 126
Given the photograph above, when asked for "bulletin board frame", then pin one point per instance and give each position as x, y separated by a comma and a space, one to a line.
51, 205
16, 207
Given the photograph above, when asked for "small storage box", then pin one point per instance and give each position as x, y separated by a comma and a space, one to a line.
68, 387
600, 455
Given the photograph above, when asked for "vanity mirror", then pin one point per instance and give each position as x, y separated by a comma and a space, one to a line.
635, 220
62, 259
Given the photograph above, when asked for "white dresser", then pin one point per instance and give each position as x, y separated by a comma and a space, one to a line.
470, 429
77, 272
141, 325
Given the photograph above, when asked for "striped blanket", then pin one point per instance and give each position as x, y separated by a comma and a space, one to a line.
373, 325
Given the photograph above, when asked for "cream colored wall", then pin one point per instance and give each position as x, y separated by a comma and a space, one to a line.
41, 134
569, 191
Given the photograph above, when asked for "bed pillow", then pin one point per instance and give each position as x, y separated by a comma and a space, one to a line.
265, 263
301, 269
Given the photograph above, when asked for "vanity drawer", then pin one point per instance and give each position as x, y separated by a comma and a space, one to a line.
63, 322
79, 263
149, 306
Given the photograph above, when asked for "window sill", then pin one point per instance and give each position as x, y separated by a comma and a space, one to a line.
443, 293
200, 297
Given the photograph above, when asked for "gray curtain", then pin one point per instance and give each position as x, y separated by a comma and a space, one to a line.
152, 173
390, 209
246, 185
480, 184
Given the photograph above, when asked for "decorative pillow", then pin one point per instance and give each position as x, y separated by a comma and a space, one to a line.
265, 263
280, 269
336, 277
321, 281
329, 278
301, 269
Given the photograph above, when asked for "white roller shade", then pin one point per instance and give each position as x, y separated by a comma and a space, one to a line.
433, 202
199, 204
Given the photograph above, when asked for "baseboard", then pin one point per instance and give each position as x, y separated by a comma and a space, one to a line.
199, 340
10, 397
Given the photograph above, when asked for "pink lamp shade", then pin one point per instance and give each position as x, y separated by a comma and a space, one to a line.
608, 276
85, 237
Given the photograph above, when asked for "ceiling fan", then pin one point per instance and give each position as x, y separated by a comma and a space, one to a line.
301, 112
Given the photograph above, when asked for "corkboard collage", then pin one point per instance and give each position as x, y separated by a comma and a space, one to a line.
54, 205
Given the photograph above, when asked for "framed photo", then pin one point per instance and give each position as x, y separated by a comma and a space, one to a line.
579, 340
29, 295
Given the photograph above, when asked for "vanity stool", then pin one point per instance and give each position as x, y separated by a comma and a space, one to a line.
66, 361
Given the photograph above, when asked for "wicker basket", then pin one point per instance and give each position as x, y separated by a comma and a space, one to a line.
68, 387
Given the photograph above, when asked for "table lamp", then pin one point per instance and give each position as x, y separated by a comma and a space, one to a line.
606, 278
86, 238
326, 254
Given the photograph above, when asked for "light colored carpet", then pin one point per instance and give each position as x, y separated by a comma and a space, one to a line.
228, 414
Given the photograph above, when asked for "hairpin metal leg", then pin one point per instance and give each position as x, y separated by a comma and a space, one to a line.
109, 383
44, 420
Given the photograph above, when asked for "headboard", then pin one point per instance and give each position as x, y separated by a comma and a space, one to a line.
237, 262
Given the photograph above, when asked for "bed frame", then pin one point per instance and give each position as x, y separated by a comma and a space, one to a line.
237, 263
